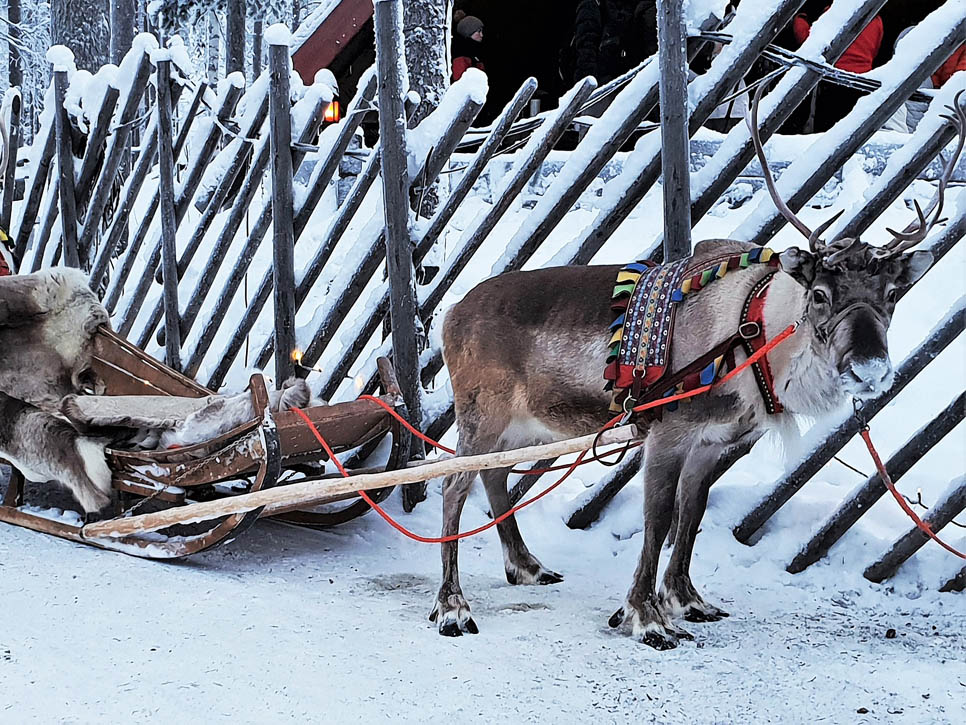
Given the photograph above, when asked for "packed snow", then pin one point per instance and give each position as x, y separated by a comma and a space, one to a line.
289, 624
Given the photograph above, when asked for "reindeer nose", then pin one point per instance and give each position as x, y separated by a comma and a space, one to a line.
870, 376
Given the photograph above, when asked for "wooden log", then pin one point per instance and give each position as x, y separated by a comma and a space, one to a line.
859, 132
862, 498
48, 219
118, 229
376, 247
112, 158
390, 60
937, 340
169, 227
789, 93
188, 121
468, 245
65, 171
46, 138
195, 174
314, 492
675, 139
952, 503
501, 127
317, 186
247, 254
14, 137
283, 239
93, 153
225, 184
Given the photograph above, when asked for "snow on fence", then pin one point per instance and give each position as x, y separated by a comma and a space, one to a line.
182, 263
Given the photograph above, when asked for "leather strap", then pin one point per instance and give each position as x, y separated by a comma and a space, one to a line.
752, 334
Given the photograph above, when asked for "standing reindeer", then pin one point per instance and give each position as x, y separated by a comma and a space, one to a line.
525, 353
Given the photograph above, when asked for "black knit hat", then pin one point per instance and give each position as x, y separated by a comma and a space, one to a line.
468, 26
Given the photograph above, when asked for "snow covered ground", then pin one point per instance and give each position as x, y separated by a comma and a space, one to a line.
295, 625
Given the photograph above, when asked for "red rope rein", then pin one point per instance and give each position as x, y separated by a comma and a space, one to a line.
884, 475
768, 347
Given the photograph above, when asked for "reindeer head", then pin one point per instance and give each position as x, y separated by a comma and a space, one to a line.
852, 287
47, 325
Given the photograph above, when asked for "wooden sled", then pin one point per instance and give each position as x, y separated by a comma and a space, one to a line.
252, 457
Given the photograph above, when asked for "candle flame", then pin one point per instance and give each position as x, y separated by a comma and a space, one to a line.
297, 356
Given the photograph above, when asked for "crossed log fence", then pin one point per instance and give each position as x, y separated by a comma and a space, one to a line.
142, 243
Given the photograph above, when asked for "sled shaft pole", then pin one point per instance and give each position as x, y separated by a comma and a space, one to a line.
314, 492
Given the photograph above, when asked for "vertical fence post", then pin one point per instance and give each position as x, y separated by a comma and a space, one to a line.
395, 181
13, 148
65, 159
283, 241
169, 250
675, 145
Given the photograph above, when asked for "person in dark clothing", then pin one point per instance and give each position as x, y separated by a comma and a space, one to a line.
834, 102
467, 44
610, 37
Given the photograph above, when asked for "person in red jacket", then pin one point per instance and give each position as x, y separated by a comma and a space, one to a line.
955, 63
834, 102
467, 43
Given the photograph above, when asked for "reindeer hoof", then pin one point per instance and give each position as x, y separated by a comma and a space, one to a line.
455, 619
659, 641
711, 614
616, 619
532, 573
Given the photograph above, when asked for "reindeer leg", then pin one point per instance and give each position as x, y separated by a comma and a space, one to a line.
643, 610
521, 566
451, 611
678, 595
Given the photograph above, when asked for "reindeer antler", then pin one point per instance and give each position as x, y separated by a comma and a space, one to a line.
814, 242
917, 230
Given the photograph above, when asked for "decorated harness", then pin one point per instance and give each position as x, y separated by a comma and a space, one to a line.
645, 300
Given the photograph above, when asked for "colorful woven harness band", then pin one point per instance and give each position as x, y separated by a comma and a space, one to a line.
645, 300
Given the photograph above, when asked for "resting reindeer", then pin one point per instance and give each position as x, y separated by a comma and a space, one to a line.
525, 352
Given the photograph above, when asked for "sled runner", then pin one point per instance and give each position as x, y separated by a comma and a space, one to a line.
270, 449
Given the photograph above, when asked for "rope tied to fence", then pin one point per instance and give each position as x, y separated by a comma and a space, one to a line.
887, 480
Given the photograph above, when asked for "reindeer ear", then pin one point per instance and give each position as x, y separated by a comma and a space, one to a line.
912, 266
799, 264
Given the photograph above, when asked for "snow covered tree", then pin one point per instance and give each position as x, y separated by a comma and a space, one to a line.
14, 64
123, 14
84, 27
426, 32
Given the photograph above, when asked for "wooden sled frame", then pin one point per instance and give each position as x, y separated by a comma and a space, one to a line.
258, 450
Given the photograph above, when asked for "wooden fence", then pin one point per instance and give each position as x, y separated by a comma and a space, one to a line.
181, 261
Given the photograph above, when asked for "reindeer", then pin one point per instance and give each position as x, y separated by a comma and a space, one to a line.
525, 353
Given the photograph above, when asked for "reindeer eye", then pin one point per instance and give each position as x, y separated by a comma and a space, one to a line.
893, 295
819, 297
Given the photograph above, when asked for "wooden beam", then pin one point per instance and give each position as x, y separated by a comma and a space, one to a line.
65, 172
283, 240
675, 139
169, 227
951, 504
312, 493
